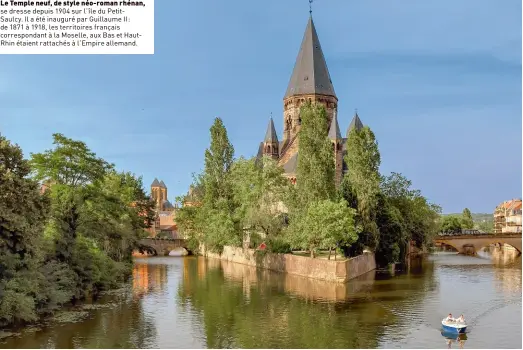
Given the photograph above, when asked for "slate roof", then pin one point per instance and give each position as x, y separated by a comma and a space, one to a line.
270, 135
291, 165
334, 130
310, 74
155, 183
162, 184
355, 123
167, 204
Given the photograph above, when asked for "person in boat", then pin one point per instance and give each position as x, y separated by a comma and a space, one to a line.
461, 319
449, 318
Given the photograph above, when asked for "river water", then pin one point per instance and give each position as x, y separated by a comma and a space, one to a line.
197, 303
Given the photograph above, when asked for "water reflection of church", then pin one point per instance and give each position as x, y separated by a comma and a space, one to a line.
147, 278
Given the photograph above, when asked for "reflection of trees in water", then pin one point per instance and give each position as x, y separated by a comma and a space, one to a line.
123, 326
252, 308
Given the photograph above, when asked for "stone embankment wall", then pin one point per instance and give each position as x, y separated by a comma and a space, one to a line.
321, 269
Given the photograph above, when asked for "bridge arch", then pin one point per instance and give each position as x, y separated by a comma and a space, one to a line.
160, 247
473, 243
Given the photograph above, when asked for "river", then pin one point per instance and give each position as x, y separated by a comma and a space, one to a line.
192, 302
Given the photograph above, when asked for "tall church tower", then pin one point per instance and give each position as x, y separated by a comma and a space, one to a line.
310, 81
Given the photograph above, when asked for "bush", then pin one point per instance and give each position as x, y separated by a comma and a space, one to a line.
278, 245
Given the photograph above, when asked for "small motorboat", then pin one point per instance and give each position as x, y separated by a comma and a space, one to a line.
453, 326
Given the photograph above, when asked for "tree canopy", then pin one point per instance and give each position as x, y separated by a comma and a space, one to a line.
74, 240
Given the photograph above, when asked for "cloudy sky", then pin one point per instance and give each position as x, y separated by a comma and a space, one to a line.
439, 82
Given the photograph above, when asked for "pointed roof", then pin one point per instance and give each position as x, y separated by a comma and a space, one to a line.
355, 123
334, 130
310, 74
155, 183
270, 135
162, 184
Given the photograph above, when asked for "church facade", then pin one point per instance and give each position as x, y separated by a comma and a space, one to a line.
310, 82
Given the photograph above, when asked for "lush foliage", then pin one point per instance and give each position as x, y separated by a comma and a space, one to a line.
451, 224
363, 182
72, 241
466, 221
248, 200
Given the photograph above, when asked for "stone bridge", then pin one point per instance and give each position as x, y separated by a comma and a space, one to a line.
472, 243
160, 246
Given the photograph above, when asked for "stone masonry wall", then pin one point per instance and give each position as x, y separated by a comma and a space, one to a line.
322, 269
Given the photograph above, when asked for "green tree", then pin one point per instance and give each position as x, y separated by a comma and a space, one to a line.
466, 221
363, 182
216, 215
451, 224
96, 217
328, 224
315, 168
22, 215
407, 208
218, 162
393, 233
259, 193
70, 163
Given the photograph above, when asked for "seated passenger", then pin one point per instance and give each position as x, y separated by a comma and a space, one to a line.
461, 319
449, 318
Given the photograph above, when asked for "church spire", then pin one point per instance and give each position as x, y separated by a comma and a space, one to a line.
334, 130
271, 146
270, 135
310, 74
355, 123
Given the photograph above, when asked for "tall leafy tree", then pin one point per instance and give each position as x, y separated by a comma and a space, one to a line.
218, 227
218, 162
315, 169
466, 221
363, 161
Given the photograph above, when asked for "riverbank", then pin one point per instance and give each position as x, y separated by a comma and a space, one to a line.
320, 269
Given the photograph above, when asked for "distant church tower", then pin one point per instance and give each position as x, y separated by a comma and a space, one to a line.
270, 142
159, 195
310, 81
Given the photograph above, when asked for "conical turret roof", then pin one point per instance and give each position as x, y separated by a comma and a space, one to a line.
334, 130
270, 135
162, 184
355, 123
310, 74
155, 183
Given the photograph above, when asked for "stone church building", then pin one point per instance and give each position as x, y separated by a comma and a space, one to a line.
165, 220
310, 81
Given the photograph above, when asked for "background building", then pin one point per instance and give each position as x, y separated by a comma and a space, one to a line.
164, 224
507, 217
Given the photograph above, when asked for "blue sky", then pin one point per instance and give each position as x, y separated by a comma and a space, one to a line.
439, 82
